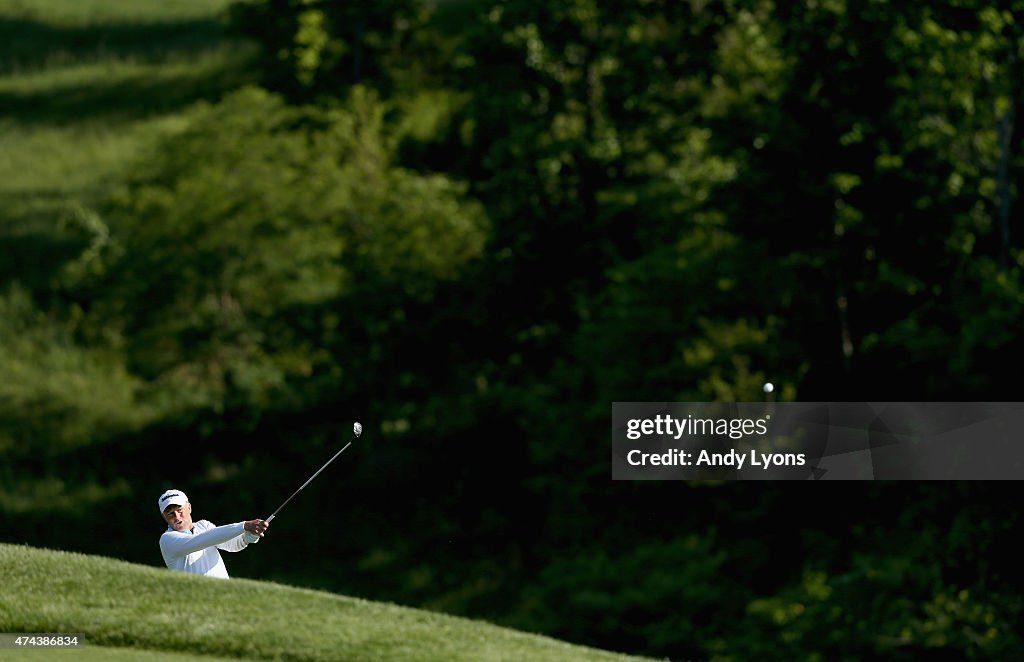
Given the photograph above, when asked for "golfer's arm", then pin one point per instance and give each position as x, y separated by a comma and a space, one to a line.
182, 544
236, 544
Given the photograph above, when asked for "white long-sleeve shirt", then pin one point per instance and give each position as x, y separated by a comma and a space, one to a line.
195, 551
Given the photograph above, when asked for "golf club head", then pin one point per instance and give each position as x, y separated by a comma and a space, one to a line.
357, 429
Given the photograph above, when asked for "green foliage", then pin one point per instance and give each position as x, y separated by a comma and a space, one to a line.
56, 395
900, 184
225, 256
664, 596
692, 349
896, 604
313, 48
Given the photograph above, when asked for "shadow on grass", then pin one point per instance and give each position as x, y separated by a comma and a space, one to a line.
27, 45
135, 96
32, 259
32, 245
36, 239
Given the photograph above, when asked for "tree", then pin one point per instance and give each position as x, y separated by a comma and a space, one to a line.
235, 242
314, 48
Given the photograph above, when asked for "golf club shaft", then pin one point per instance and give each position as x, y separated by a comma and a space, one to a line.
308, 482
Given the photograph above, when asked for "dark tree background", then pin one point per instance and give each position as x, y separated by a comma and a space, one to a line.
472, 226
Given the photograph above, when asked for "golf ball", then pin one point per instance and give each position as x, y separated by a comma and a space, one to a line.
768, 387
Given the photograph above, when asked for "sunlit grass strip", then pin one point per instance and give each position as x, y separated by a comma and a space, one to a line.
66, 13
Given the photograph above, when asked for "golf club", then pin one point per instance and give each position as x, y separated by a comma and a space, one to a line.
357, 429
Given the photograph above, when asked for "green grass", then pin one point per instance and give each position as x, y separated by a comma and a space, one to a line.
118, 89
86, 86
103, 653
56, 33
128, 606
80, 12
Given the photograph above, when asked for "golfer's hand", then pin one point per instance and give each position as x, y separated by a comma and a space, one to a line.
256, 526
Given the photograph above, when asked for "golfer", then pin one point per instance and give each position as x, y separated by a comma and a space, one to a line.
192, 546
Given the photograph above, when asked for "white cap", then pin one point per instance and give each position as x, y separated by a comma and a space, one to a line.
171, 498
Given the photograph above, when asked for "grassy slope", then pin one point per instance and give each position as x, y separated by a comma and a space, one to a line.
93, 653
120, 604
